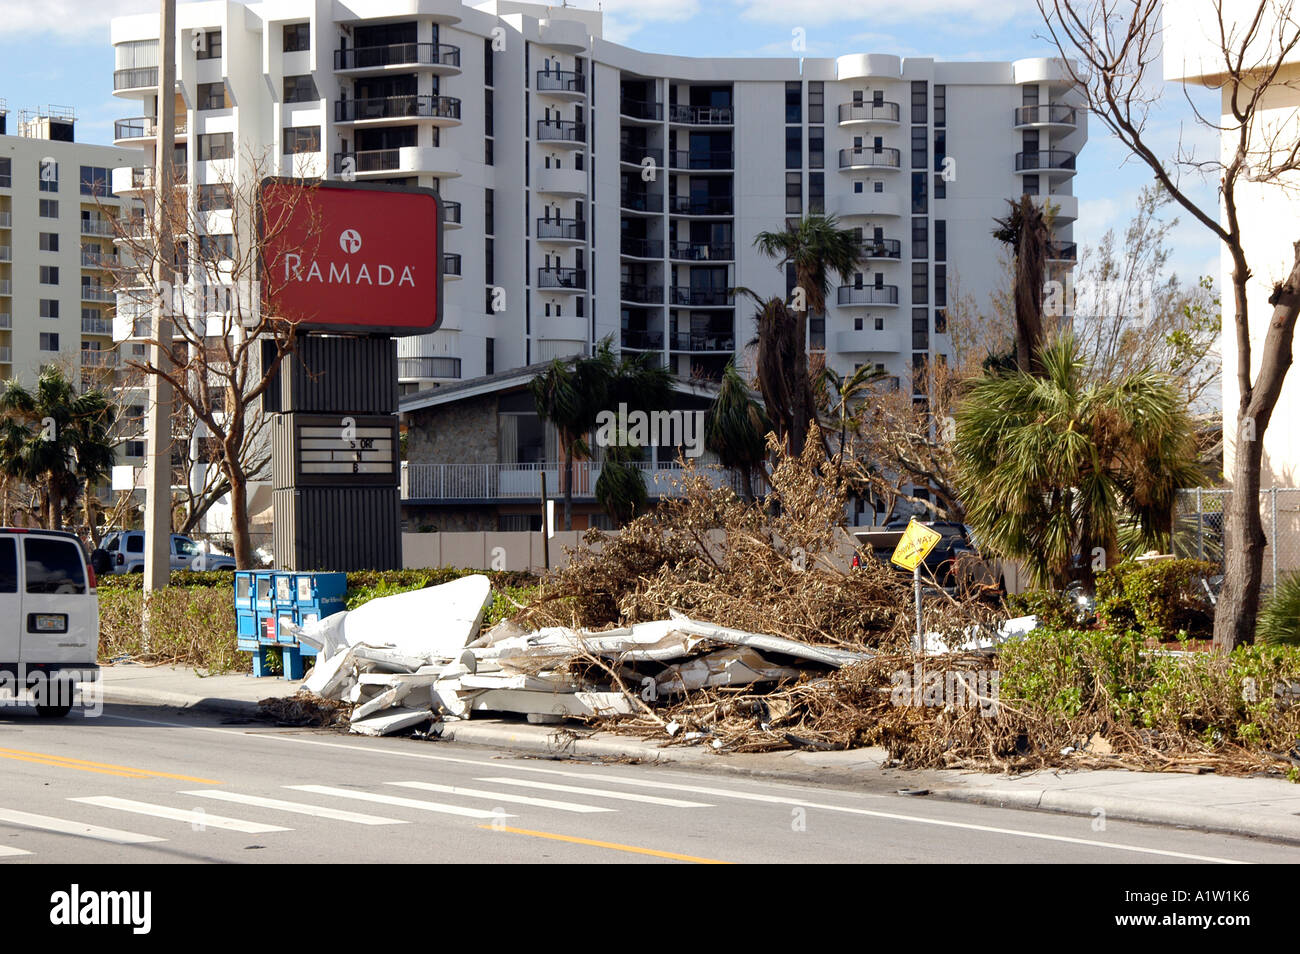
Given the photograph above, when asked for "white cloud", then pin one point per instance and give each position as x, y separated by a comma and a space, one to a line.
938, 13
624, 18
70, 19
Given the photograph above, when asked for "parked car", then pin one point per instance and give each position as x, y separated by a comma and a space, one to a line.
125, 550
940, 563
49, 617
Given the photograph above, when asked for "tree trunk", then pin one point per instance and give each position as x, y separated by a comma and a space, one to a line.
240, 536
1243, 532
747, 482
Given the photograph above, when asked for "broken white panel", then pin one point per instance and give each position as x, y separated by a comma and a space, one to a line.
553, 703
329, 677
733, 666
399, 686
390, 721
544, 682
827, 655
979, 640
383, 659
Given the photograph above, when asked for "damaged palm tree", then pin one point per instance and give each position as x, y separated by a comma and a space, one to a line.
1028, 232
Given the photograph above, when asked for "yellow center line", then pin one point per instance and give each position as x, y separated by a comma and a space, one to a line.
612, 845
61, 761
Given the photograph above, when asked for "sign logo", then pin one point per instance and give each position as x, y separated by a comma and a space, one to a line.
350, 241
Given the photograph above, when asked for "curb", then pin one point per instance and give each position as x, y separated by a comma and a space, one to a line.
563, 743
125, 695
1143, 810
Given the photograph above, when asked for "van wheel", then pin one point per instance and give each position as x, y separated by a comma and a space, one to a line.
58, 706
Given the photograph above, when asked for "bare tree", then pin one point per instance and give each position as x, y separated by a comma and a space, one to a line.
216, 363
1109, 47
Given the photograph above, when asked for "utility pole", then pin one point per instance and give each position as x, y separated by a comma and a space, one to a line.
158, 459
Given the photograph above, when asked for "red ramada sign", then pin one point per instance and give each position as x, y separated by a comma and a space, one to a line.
348, 257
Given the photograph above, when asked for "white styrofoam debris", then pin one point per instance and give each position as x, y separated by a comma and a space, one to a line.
328, 676
390, 721
553, 703
734, 666
981, 641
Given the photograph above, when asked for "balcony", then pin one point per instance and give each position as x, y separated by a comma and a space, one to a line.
701, 252
6, 253
6, 220
881, 249
1063, 252
428, 369
562, 279
464, 482
1065, 208
441, 58
701, 115
701, 297
569, 183
98, 260
98, 359
141, 78
142, 127
641, 294
373, 163
96, 293
96, 326
6, 355
90, 226
6, 286
451, 265
440, 110
702, 342
861, 113
641, 110
562, 231
450, 214
1049, 161
870, 159
868, 295
869, 341
1047, 115
651, 203
642, 340
562, 83
6, 321
637, 155
635, 247
720, 160
562, 132
701, 205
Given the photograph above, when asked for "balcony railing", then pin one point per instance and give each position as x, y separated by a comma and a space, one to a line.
684, 295
96, 293
98, 359
572, 229
639, 109
876, 158
451, 211
643, 340
561, 81
369, 160
642, 201
6, 355
700, 115
91, 226
6, 253
1053, 113
868, 112
702, 251
6, 287
98, 260
642, 247
701, 160
561, 130
1060, 159
141, 127
428, 368
868, 295
636, 155
451, 263
881, 248
562, 278
1065, 252
523, 481
96, 326
135, 78
6, 220
6, 321
397, 54
702, 205
397, 107
641, 293
710, 341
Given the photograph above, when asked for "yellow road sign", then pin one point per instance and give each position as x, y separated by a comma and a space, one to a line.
918, 540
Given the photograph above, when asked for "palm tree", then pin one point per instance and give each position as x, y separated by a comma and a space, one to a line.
55, 440
736, 428
1029, 234
620, 489
1052, 465
818, 249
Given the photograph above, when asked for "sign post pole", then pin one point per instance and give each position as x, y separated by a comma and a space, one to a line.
916, 586
917, 542
546, 527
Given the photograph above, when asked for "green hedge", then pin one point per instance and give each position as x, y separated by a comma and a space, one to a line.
1162, 600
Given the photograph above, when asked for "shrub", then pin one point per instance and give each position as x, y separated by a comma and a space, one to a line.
192, 626
1159, 600
1279, 620
1052, 607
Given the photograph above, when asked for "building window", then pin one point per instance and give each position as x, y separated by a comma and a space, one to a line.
214, 247
94, 181
487, 152
49, 274
212, 96
6, 173
47, 175
209, 45
215, 198
487, 62
941, 285
49, 241
793, 95
794, 193
816, 147
919, 102
920, 203
940, 105
49, 208
920, 329
299, 139
816, 193
488, 108
49, 308
1030, 185
489, 355
816, 101
49, 341
297, 37
300, 89
940, 240
920, 283
489, 212
581, 307
940, 321
489, 256
940, 187
920, 148
133, 449
794, 147
920, 237
216, 146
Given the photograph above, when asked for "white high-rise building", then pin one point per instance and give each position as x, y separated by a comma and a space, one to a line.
599, 191
57, 255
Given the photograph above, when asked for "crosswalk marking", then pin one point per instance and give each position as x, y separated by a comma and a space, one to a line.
678, 787
64, 826
600, 792
504, 797
199, 819
301, 808
7, 852
398, 800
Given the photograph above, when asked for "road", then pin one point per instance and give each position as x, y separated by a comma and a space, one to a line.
140, 784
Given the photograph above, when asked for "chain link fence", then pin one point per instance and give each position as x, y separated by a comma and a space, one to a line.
1198, 528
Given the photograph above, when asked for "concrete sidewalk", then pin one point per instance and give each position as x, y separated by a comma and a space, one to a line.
1256, 807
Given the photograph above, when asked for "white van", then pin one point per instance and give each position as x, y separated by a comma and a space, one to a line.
49, 618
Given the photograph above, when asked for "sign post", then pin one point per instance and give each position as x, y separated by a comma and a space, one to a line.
917, 542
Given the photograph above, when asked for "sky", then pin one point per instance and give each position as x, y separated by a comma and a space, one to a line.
57, 52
